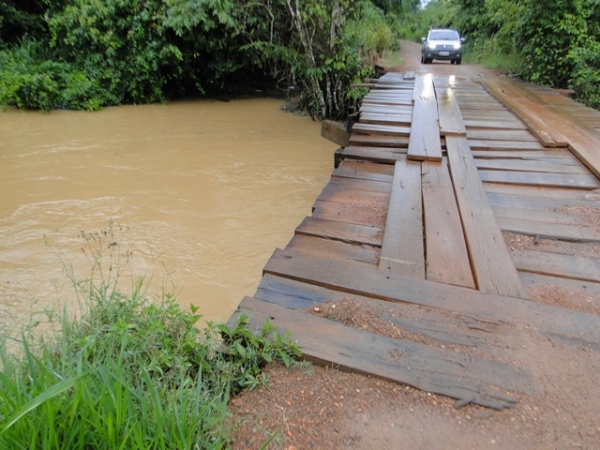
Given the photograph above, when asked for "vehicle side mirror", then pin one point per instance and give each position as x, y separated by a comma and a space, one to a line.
463, 39
423, 39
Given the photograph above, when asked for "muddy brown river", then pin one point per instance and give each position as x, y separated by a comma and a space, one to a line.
192, 196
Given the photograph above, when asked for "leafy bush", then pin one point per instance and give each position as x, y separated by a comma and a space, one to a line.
130, 372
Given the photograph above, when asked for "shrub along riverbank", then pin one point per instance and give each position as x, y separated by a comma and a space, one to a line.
128, 372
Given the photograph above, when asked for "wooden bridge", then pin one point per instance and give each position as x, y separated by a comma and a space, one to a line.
453, 209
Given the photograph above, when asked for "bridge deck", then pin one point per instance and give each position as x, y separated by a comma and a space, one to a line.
453, 210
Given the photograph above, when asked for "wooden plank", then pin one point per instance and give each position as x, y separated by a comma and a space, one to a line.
534, 280
382, 130
376, 284
558, 265
486, 335
381, 109
493, 269
342, 172
544, 192
531, 165
402, 248
562, 156
575, 181
464, 377
360, 185
497, 124
375, 154
451, 121
387, 118
424, 143
335, 132
500, 135
532, 114
348, 212
477, 144
447, 255
379, 141
340, 231
338, 250
548, 230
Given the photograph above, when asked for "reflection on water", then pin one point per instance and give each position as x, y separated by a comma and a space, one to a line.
200, 192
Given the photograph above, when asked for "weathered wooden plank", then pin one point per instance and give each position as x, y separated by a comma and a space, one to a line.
388, 102
562, 156
451, 122
349, 212
381, 109
548, 230
382, 130
375, 154
493, 269
402, 248
575, 181
534, 116
367, 166
447, 255
495, 124
471, 331
531, 165
464, 377
335, 132
342, 172
358, 197
340, 231
424, 143
477, 144
367, 255
385, 118
360, 280
558, 265
534, 280
360, 185
379, 141
544, 192
500, 135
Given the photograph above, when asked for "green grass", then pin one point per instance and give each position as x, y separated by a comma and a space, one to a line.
129, 373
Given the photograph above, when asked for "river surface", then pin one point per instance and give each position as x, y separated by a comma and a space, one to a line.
193, 196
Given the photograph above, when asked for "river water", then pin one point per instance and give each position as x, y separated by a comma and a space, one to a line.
193, 196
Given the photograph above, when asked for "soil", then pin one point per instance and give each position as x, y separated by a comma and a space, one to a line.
313, 407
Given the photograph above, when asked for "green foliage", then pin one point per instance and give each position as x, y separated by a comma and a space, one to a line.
129, 372
32, 79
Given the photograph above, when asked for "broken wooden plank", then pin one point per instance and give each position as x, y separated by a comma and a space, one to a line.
493, 269
341, 251
340, 231
424, 143
402, 248
447, 255
464, 377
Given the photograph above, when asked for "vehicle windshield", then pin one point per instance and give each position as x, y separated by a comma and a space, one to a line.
443, 36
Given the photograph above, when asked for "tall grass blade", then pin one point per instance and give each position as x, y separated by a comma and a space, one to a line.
49, 393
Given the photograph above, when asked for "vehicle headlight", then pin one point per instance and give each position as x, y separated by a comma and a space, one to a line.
456, 46
431, 45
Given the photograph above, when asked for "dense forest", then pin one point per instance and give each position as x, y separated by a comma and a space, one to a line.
86, 54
